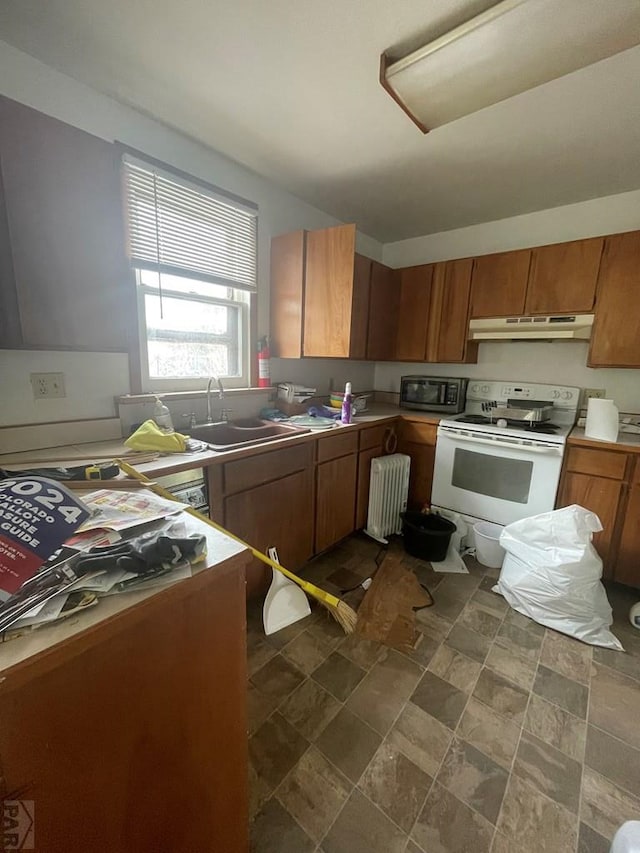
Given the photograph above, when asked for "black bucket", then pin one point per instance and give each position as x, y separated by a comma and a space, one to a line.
426, 536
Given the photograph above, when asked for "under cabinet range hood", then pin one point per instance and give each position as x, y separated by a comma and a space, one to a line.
575, 327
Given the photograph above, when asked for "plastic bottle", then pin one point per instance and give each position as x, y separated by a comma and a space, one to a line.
162, 416
346, 404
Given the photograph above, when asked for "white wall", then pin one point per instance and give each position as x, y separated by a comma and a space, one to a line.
92, 380
555, 362
559, 362
607, 215
29, 81
26, 80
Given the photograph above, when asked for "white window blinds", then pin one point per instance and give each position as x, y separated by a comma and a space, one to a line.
180, 228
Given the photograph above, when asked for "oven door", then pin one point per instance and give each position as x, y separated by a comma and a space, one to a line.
496, 478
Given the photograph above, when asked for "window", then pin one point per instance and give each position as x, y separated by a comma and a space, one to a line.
194, 253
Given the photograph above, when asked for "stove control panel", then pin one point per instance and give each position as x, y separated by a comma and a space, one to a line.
562, 396
517, 392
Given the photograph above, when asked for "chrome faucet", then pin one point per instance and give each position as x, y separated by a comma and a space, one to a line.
220, 396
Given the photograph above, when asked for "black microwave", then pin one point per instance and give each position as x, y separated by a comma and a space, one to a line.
433, 393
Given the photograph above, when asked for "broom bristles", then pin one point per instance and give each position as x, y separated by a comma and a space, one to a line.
344, 615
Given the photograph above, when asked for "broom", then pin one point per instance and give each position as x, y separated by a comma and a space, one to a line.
344, 615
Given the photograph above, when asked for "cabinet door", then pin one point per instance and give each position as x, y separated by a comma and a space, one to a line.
161, 731
627, 569
64, 210
499, 284
383, 313
413, 314
328, 291
615, 341
601, 496
418, 440
286, 294
563, 277
279, 513
360, 307
449, 320
335, 500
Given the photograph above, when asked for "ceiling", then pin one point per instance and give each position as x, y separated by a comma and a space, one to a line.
290, 89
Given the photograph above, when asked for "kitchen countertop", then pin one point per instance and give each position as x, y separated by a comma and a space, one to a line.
223, 553
76, 454
627, 441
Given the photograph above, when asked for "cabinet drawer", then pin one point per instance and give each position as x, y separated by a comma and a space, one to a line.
256, 470
332, 446
373, 437
418, 432
599, 463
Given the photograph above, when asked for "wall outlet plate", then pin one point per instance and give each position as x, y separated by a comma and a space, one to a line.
47, 385
596, 393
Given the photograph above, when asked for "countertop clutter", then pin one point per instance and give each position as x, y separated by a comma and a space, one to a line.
174, 462
171, 463
323, 478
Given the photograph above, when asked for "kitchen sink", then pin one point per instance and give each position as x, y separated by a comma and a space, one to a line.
230, 435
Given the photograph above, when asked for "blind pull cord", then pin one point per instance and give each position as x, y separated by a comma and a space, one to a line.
155, 208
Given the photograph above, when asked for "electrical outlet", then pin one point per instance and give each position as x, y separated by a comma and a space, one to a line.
598, 393
47, 385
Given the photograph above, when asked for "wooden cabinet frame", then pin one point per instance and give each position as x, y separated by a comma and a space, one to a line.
605, 479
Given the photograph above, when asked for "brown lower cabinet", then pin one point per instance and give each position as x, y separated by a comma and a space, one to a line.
277, 514
272, 506
417, 438
129, 733
302, 499
628, 563
601, 496
606, 480
336, 487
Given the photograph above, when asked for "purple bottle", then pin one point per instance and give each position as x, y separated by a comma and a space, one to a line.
346, 404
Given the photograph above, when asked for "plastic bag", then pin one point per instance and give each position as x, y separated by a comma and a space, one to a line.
552, 572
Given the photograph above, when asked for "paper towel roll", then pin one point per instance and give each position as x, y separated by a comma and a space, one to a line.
602, 420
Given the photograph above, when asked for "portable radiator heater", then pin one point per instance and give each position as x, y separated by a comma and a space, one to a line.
388, 489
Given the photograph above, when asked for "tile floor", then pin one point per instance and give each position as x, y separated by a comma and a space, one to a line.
493, 735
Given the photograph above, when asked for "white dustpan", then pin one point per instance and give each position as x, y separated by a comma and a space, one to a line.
285, 603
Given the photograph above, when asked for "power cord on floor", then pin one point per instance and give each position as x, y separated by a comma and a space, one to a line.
382, 552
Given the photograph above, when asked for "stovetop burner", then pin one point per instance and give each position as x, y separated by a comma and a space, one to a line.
545, 427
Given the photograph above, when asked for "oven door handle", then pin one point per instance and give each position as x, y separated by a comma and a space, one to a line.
527, 448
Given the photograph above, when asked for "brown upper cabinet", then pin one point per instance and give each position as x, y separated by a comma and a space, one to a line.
66, 280
287, 294
431, 312
414, 284
449, 313
615, 341
558, 279
499, 284
563, 277
328, 301
319, 294
383, 313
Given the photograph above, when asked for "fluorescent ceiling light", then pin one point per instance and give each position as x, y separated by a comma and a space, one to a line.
514, 46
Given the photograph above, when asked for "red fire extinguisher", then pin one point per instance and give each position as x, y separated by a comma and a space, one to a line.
264, 373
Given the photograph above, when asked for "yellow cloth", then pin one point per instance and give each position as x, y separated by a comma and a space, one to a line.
149, 436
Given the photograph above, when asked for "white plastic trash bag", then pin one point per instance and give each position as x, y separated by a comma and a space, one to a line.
552, 572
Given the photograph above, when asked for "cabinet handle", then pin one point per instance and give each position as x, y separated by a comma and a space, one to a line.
390, 441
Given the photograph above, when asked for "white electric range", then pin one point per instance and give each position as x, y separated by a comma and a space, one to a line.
495, 469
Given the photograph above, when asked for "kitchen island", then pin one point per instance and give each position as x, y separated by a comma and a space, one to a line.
123, 728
